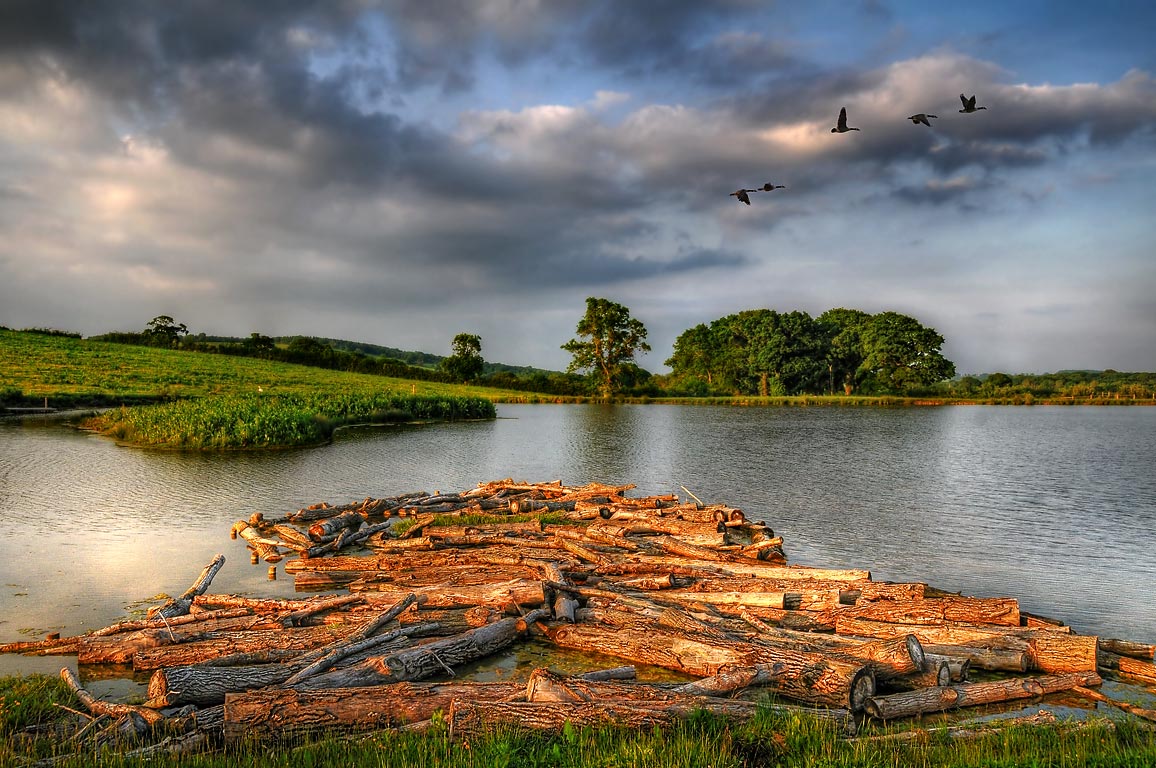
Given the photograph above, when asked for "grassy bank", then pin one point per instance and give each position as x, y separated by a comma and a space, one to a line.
33, 728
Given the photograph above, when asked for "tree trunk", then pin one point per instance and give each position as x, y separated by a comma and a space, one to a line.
525, 593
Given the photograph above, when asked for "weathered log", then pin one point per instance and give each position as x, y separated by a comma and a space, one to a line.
180, 606
505, 594
564, 608
923, 700
361, 639
193, 652
806, 677
958, 668
281, 712
1134, 669
205, 685
1132, 709
934, 674
469, 718
992, 659
98, 707
1048, 651
968, 610
426, 660
1142, 651
265, 549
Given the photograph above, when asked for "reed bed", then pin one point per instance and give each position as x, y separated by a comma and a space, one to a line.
269, 420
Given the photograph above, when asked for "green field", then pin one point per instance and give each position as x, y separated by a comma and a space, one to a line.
216, 401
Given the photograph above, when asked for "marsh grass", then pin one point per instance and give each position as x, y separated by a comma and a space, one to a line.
32, 728
271, 421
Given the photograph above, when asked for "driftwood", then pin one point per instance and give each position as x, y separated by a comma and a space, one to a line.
700, 589
180, 605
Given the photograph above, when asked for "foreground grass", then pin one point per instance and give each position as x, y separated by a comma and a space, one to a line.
32, 728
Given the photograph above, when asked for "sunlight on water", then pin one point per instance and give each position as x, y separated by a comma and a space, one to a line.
1053, 506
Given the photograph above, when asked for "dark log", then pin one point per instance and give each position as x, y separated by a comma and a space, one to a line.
958, 668
426, 660
923, 700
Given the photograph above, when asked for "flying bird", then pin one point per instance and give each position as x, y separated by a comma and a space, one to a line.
969, 104
742, 195
842, 126
922, 118
768, 187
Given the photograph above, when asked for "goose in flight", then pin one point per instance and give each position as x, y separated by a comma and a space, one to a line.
969, 104
922, 118
768, 187
842, 126
742, 195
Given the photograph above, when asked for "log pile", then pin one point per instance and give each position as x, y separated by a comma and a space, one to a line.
441, 580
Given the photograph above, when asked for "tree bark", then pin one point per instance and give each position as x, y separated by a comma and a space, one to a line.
942, 610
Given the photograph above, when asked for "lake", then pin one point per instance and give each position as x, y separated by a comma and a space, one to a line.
1052, 505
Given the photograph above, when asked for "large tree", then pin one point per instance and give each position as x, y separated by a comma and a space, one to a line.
844, 329
466, 363
165, 331
900, 354
608, 339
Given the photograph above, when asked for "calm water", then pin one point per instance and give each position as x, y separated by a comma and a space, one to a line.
1052, 505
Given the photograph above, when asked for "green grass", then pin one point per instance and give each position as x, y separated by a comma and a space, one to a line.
30, 728
78, 371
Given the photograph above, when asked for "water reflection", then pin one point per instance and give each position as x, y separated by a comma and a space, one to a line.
1054, 506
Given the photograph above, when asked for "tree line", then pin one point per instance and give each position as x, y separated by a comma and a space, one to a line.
760, 352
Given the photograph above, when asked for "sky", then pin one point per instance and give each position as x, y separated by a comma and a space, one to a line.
398, 172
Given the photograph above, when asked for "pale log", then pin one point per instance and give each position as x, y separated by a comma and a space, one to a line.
958, 667
265, 549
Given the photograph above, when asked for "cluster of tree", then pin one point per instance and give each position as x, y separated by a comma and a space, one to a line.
768, 353
1076, 386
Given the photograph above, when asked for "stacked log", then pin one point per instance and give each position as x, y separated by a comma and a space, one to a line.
440, 580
